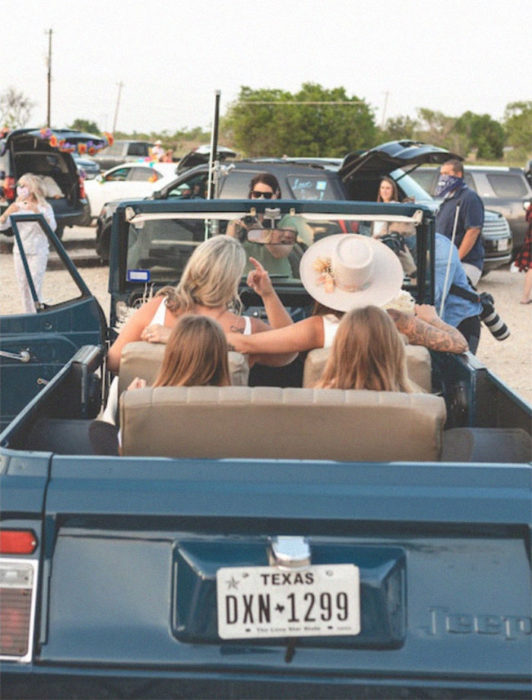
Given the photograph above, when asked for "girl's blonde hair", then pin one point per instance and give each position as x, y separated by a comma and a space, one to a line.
195, 355
367, 353
210, 278
34, 185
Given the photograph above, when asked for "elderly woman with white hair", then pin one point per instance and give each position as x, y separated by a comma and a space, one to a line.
30, 200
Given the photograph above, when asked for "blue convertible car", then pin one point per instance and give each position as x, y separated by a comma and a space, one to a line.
340, 544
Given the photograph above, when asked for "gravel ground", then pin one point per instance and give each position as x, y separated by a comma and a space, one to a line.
511, 359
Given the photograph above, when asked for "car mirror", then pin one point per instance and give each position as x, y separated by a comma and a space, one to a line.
272, 236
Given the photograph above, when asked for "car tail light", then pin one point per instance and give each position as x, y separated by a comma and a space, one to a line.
18, 580
81, 181
9, 188
17, 542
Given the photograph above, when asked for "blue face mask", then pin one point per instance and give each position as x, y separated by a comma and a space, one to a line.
446, 184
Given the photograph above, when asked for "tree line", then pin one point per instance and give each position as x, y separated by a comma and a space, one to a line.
320, 122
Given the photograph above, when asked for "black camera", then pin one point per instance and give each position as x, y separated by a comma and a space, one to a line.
394, 241
491, 318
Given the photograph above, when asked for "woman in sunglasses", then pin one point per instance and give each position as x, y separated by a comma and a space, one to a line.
273, 256
264, 186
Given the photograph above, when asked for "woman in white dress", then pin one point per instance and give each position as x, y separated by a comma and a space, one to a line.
30, 200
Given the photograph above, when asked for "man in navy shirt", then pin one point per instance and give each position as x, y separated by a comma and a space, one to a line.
464, 205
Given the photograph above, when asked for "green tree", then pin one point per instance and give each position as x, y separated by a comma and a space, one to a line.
518, 125
482, 133
85, 125
398, 128
15, 108
326, 122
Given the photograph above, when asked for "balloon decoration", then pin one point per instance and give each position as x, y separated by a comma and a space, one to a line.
89, 147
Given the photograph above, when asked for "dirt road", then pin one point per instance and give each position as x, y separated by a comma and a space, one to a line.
510, 359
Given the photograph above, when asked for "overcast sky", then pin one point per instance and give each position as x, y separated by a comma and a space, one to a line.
171, 55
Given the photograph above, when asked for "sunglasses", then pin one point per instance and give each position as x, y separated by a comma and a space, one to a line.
256, 194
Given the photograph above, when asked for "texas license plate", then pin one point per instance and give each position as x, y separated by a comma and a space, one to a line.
263, 601
503, 244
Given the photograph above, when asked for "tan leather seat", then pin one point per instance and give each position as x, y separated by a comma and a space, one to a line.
273, 423
418, 364
141, 359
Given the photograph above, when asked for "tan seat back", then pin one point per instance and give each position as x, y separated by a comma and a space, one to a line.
141, 359
273, 423
418, 365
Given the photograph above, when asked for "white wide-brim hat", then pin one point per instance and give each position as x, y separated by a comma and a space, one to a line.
347, 271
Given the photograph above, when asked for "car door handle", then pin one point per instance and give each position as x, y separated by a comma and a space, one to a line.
22, 356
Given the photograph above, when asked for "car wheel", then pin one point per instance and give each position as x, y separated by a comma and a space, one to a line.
103, 243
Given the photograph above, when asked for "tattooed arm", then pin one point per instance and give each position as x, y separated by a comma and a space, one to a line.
426, 328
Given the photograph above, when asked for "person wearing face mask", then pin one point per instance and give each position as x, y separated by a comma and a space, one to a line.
461, 213
30, 200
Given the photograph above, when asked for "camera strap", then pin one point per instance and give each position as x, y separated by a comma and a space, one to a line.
464, 293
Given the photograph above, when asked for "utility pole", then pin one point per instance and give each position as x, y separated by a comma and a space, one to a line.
49, 101
383, 121
120, 86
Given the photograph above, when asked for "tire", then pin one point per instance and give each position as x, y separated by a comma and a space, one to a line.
103, 244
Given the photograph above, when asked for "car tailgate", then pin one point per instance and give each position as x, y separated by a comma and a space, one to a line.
133, 548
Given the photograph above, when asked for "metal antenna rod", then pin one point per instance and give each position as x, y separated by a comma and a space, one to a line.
49, 79
120, 86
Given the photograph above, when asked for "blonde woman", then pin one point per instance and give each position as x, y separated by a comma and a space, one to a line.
208, 287
195, 355
30, 200
367, 353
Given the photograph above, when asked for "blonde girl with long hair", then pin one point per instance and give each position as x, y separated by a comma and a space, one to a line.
367, 353
208, 287
30, 200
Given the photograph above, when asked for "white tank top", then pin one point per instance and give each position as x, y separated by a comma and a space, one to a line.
330, 326
160, 315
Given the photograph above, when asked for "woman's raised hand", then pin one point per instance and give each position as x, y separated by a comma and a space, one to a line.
259, 279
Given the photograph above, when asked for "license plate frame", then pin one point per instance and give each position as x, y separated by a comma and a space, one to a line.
258, 602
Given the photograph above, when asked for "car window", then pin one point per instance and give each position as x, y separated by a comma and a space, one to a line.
469, 181
426, 178
117, 175
310, 187
409, 187
114, 150
143, 174
138, 149
193, 188
236, 184
507, 185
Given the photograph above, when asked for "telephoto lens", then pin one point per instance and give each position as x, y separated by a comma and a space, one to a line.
491, 318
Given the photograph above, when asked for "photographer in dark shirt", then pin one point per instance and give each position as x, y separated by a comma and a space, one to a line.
463, 206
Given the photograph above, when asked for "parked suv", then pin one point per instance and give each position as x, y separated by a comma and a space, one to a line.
505, 190
122, 152
26, 151
355, 177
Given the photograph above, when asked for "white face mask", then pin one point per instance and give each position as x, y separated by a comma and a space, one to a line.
23, 191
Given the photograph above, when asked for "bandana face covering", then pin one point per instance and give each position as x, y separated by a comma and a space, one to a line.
22, 191
446, 184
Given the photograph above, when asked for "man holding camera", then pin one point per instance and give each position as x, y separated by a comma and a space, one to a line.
461, 217
461, 306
